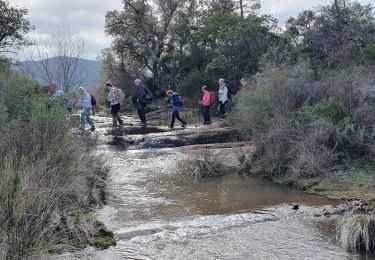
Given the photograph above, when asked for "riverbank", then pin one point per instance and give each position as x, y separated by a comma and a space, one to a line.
354, 184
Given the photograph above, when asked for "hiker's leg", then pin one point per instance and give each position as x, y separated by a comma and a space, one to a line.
224, 106
118, 115
143, 113
139, 112
221, 108
88, 119
206, 112
180, 119
114, 112
83, 118
173, 119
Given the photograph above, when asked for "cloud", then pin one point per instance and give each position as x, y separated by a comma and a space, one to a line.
84, 17
88, 16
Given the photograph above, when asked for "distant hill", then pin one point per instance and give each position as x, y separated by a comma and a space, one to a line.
86, 74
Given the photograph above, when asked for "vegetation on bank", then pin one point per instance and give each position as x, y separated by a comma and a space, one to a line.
48, 178
312, 120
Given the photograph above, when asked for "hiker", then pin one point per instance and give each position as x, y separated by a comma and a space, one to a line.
142, 93
245, 85
85, 104
56, 97
206, 102
114, 99
176, 102
223, 97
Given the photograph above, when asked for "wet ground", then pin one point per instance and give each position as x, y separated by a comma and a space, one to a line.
158, 214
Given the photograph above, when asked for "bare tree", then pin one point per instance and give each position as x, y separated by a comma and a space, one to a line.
58, 60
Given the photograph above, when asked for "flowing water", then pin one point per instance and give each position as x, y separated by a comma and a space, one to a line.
157, 214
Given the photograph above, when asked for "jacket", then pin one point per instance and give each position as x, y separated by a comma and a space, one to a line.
223, 93
86, 100
113, 96
206, 101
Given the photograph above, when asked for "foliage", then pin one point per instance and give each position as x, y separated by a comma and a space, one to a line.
223, 34
45, 173
13, 27
334, 36
324, 109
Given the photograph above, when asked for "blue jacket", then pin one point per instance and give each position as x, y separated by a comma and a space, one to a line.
176, 102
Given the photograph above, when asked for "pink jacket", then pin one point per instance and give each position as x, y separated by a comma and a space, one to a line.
206, 99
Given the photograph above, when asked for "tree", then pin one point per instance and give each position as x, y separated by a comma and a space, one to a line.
335, 35
231, 45
13, 27
58, 59
150, 33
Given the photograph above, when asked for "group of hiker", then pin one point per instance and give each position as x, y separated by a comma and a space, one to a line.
87, 101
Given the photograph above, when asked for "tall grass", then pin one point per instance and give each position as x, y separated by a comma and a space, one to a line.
46, 174
204, 166
356, 233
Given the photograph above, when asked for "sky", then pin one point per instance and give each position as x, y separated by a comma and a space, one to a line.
87, 17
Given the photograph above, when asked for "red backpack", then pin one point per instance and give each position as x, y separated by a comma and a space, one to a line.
212, 98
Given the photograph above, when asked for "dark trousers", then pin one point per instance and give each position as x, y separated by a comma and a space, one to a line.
115, 110
222, 107
142, 112
175, 115
206, 114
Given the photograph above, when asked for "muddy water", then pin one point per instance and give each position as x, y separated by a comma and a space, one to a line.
158, 214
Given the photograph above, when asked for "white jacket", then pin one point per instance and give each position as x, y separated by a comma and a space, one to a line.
85, 100
223, 93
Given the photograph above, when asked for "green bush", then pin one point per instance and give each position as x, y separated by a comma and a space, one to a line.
192, 83
324, 109
45, 172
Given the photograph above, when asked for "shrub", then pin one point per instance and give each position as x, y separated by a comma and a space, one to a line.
357, 232
45, 172
192, 83
204, 166
324, 109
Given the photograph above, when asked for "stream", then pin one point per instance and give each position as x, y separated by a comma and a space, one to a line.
158, 214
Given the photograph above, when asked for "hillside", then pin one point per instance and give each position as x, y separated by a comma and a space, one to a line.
86, 73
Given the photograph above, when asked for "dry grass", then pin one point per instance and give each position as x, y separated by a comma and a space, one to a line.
45, 173
205, 166
357, 232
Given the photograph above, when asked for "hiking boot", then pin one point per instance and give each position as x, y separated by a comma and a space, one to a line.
170, 128
92, 128
143, 125
184, 125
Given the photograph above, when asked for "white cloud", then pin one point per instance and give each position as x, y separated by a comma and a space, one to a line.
88, 16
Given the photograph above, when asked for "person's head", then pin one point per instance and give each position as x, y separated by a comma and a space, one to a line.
137, 82
243, 82
108, 85
81, 90
204, 89
50, 89
169, 93
221, 81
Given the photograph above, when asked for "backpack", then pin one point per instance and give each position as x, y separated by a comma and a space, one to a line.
149, 97
178, 100
121, 96
232, 90
93, 100
212, 98
93, 103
